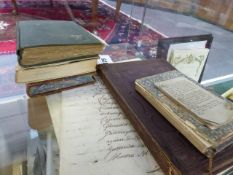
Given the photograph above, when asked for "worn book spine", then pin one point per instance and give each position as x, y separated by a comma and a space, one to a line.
164, 162
58, 85
44, 73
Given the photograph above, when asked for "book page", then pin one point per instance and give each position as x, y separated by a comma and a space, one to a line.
189, 61
96, 138
199, 101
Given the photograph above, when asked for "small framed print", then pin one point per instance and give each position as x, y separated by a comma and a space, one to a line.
187, 54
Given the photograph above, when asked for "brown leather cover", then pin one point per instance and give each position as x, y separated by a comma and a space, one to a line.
174, 153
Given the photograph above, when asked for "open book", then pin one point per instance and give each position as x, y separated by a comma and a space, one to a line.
94, 135
205, 119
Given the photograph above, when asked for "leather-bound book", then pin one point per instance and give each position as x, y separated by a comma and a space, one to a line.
173, 152
55, 71
58, 85
43, 42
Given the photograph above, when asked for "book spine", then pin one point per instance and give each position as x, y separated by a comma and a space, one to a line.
162, 159
58, 85
28, 90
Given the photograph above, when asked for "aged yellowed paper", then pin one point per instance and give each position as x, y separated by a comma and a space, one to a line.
199, 101
96, 138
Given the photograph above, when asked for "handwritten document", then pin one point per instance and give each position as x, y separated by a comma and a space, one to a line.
199, 101
96, 138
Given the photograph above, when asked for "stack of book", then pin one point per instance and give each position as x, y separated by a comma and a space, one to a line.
187, 129
55, 55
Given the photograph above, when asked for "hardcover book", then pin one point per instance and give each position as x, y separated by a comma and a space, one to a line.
54, 71
202, 117
41, 42
173, 152
58, 85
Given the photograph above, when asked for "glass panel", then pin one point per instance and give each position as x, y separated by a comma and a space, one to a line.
26, 129
177, 18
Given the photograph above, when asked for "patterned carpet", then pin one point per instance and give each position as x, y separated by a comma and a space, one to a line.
125, 30
122, 36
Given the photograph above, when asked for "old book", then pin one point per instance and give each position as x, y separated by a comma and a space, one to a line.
173, 152
202, 117
58, 85
204, 105
41, 42
49, 72
94, 135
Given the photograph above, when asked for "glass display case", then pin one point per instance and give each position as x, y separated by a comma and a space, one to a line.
28, 144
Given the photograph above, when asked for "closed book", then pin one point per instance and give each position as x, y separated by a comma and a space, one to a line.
54, 71
42, 42
58, 85
173, 152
